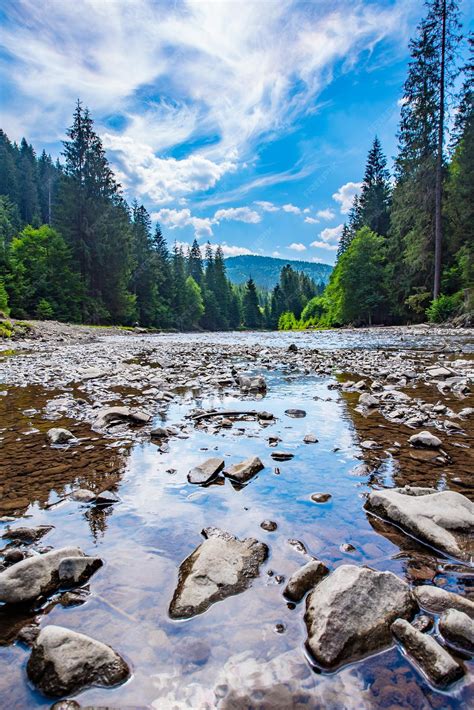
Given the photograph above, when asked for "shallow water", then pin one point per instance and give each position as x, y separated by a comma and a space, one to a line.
143, 539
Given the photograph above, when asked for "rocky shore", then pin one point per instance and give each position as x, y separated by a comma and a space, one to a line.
94, 396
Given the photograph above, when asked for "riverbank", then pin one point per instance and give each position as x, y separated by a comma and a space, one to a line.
324, 422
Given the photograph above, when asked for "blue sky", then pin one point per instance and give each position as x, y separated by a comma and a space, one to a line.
245, 123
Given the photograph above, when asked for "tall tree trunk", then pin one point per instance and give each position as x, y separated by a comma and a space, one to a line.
439, 163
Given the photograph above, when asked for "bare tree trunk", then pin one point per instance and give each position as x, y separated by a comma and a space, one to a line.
439, 164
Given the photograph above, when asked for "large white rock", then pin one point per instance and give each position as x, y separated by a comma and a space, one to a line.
35, 576
425, 440
107, 415
435, 661
63, 662
244, 471
442, 519
349, 613
221, 566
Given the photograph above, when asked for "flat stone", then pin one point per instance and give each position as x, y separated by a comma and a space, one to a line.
310, 439
221, 566
425, 440
304, 579
349, 613
60, 436
107, 415
458, 629
281, 455
83, 495
64, 661
74, 571
27, 535
438, 600
434, 660
320, 497
369, 445
442, 519
295, 413
159, 432
33, 577
244, 471
205, 472
438, 373
106, 498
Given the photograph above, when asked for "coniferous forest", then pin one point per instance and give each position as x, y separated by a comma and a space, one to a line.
72, 249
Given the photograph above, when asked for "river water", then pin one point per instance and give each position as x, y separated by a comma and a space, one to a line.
248, 650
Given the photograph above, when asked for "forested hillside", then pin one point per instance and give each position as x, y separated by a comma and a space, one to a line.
265, 270
407, 251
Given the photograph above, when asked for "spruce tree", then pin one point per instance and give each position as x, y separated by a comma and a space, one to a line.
195, 268
251, 311
374, 201
344, 241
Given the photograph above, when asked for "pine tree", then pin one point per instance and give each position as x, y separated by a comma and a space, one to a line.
344, 241
28, 185
251, 311
195, 268
374, 201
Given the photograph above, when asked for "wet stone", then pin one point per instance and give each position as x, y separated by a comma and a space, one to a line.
423, 623
60, 436
27, 535
320, 497
458, 629
281, 455
439, 600
310, 439
436, 662
268, 525
206, 472
425, 440
244, 471
304, 579
295, 413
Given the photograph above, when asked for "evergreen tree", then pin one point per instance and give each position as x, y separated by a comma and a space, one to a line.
195, 268
374, 200
344, 241
193, 303
179, 283
251, 311
28, 185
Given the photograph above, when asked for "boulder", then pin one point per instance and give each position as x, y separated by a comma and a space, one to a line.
434, 660
425, 440
221, 566
458, 629
33, 577
60, 436
304, 579
64, 661
244, 471
107, 415
438, 600
74, 571
442, 519
205, 472
350, 612
252, 384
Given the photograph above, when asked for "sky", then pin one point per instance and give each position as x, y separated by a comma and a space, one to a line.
245, 123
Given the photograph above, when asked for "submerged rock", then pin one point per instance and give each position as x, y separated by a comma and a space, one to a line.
221, 566
244, 471
64, 661
434, 660
35, 576
439, 600
27, 535
443, 519
304, 579
426, 440
60, 436
205, 472
350, 612
458, 629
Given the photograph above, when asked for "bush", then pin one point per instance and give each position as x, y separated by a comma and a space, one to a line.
6, 329
44, 310
444, 307
3, 299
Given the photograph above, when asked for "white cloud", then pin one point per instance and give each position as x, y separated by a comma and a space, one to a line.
238, 214
266, 206
331, 235
326, 214
276, 253
183, 218
297, 246
119, 57
345, 195
228, 249
291, 208
324, 245
311, 220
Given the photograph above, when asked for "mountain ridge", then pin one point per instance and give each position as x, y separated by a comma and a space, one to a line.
265, 270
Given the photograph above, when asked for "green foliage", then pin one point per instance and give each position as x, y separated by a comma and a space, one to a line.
443, 308
6, 329
288, 321
3, 300
252, 315
193, 303
44, 310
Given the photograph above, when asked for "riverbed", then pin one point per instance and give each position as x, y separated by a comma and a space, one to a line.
248, 650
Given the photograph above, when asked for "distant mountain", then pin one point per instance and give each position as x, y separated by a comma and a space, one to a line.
265, 270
